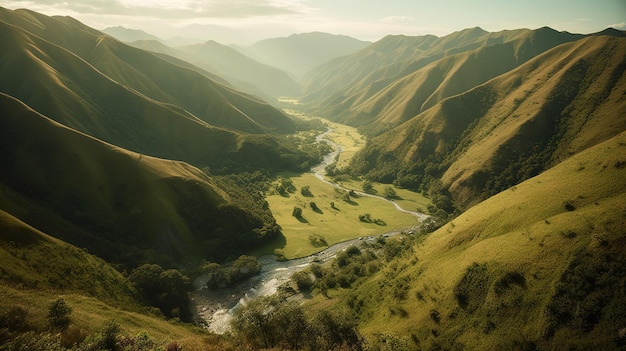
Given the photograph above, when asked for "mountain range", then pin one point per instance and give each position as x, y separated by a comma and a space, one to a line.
117, 155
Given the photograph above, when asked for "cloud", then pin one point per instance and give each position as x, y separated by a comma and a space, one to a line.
169, 9
621, 25
397, 19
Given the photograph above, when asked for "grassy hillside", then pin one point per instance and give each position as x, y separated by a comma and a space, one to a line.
448, 76
151, 96
538, 266
123, 206
512, 127
398, 76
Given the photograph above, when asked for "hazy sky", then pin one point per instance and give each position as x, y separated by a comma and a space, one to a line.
251, 20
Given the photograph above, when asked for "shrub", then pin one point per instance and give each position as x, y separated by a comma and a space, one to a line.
303, 281
297, 212
306, 191
59, 314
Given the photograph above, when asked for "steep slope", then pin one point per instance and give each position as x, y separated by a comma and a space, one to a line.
152, 107
451, 75
123, 206
538, 266
299, 53
149, 75
512, 127
34, 260
398, 77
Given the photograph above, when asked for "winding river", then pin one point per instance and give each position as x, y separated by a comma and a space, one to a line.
214, 309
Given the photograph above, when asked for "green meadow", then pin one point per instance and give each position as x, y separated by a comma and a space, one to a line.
338, 222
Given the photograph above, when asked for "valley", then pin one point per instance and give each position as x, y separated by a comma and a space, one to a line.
312, 192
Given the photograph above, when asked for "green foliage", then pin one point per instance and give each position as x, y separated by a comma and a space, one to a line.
297, 212
59, 314
591, 289
306, 191
368, 187
219, 277
303, 281
317, 240
272, 323
165, 289
472, 290
389, 192
283, 186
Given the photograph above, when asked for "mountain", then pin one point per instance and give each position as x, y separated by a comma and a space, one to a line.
299, 53
244, 73
510, 128
399, 77
123, 206
539, 266
77, 85
129, 35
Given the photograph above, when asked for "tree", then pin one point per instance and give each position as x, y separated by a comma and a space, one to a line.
368, 187
306, 191
389, 192
59, 314
314, 206
297, 212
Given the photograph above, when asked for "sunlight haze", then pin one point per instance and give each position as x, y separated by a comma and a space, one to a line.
246, 21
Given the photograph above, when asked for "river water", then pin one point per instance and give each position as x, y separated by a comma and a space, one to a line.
214, 309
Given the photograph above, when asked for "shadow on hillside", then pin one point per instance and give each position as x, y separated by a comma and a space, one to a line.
302, 219
351, 202
318, 210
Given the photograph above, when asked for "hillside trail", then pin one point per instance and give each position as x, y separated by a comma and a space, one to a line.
214, 308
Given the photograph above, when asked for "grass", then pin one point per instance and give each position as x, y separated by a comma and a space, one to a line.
513, 250
341, 222
333, 224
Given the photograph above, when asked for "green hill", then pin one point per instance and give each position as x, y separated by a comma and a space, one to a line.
510, 128
398, 77
538, 266
123, 206
131, 98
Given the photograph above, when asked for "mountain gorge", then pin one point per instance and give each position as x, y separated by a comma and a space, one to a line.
122, 159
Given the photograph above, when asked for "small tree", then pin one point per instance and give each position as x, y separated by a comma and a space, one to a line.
297, 212
389, 192
368, 187
314, 206
306, 191
59, 314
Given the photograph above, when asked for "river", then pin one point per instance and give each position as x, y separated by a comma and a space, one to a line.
214, 309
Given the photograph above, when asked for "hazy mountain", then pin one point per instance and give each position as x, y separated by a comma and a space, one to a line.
299, 53
129, 35
243, 72
512, 127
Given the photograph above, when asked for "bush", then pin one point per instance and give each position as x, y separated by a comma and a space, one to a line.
297, 212
306, 191
59, 314
303, 281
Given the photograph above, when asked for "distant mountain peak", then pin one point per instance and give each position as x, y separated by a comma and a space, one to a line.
129, 35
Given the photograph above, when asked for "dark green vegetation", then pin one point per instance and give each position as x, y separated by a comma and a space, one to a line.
124, 171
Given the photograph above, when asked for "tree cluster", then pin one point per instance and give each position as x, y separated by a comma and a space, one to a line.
165, 289
271, 322
219, 277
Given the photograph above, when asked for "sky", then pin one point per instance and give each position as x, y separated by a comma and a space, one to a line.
246, 21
